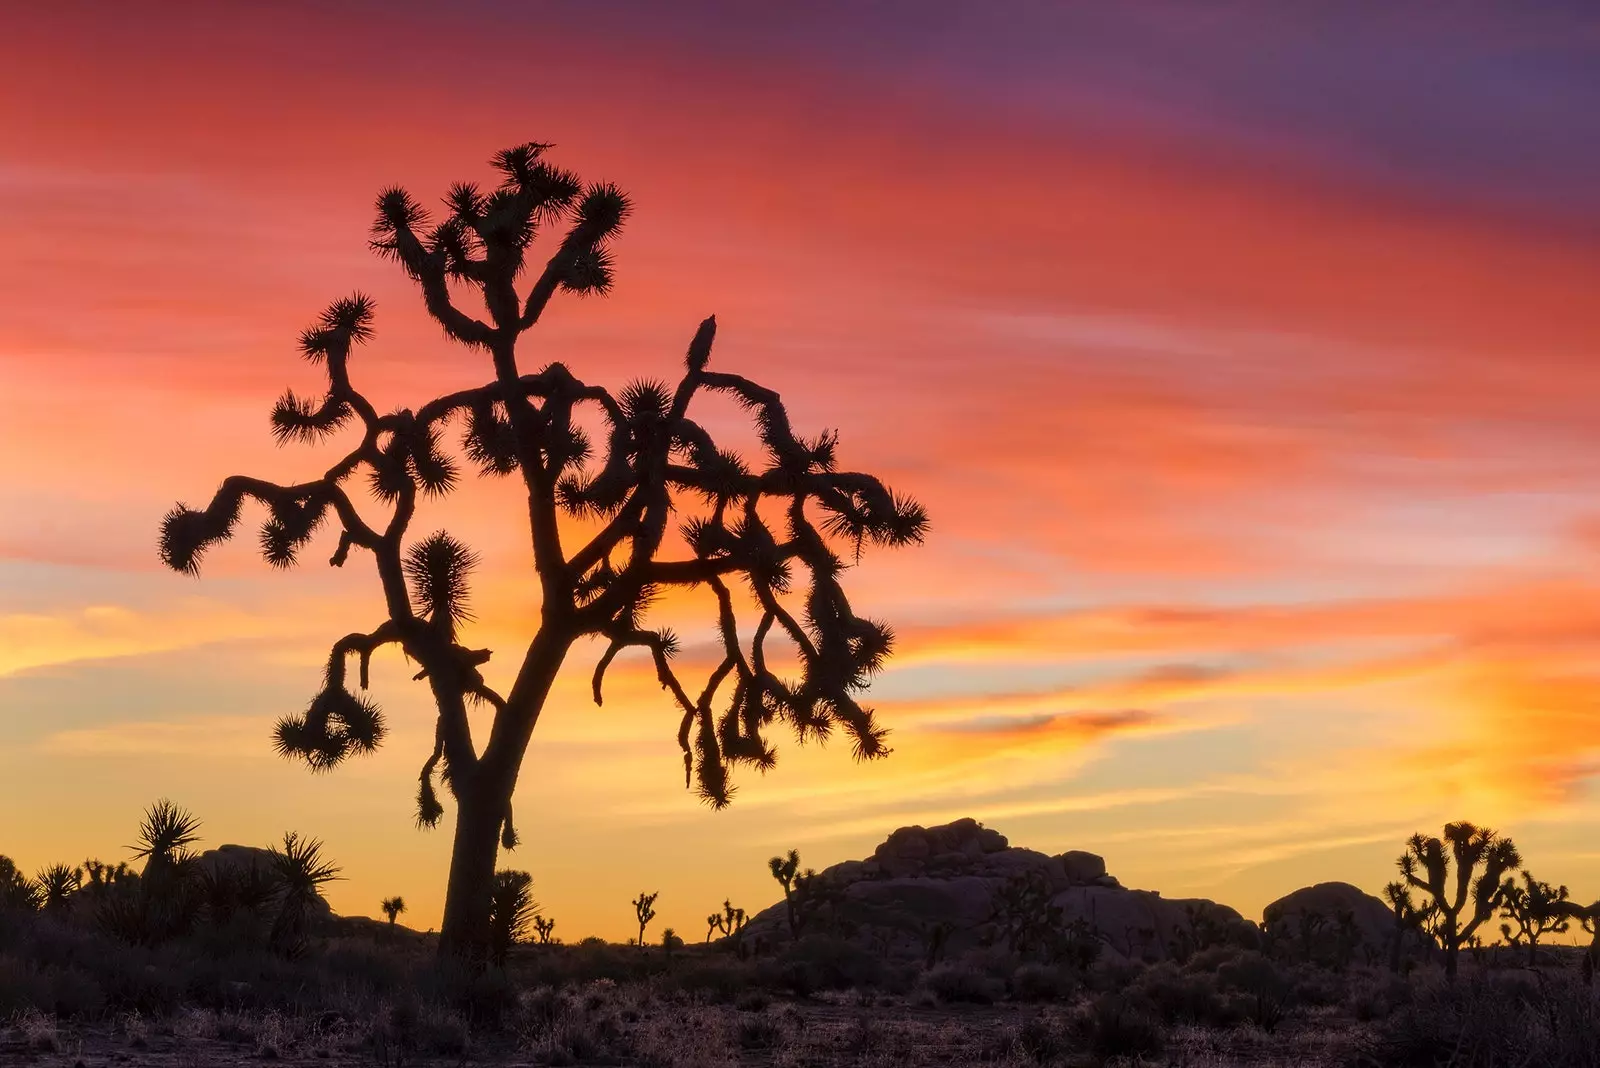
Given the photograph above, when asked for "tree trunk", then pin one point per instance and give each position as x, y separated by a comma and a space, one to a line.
1451, 952
465, 931
483, 801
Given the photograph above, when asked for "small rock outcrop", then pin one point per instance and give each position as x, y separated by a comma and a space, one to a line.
237, 859
952, 879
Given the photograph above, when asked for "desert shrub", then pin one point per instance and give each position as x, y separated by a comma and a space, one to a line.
823, 962
1376, 996
367, 965
1111, 973
758, 1033
1318, 986
961, 983
1041, 982
64, 992
1260, 992
1118, 1025
752, 1001
1180, 996
1490, 1022
717, 979
1211, 958
1039, 1039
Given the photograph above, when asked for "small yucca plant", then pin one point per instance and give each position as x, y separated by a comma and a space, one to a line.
511, 911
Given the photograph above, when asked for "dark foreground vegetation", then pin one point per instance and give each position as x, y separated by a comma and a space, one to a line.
370, 994
231, 956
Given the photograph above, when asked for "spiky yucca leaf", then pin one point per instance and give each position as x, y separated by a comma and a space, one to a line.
301, 866
394, 230
439, 568
165, 834
186, 533
429, 810
645, 400
434, 471
489, 440
345, 322
390, 474
602, 211
511, 911
591, 272
302, 419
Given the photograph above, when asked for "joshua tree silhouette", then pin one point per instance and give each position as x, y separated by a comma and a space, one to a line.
1409, 919
644, 909
1448, 877
786, 870
747, 525
393, 907
1537, 909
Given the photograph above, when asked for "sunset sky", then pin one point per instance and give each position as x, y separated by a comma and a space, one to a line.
1244, 355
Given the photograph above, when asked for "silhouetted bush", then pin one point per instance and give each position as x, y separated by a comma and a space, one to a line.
822, 962
1041, 982
1489, 1021
1118, 1025
1258, 989
1181, 996
961, 982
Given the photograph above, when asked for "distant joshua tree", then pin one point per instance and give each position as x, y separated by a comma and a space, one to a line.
786, 870
544, 929
781, 526
1409, 919
393, 907
729, 923
644, 910
1537, 909
1448, 871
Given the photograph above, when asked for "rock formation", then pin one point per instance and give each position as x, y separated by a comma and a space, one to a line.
1331, 923
953, 879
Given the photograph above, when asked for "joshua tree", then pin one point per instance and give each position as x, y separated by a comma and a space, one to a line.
777, 529
730, 921
1408, 919
101, 874
393, 907
786, 869
644, 909
1453, 881
1537, 909
511, 910
544, 928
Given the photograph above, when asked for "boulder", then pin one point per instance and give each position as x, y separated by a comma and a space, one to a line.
1331, 922
1082, 869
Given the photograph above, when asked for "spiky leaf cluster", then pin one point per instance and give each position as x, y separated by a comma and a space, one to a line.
337, 724
440, 568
